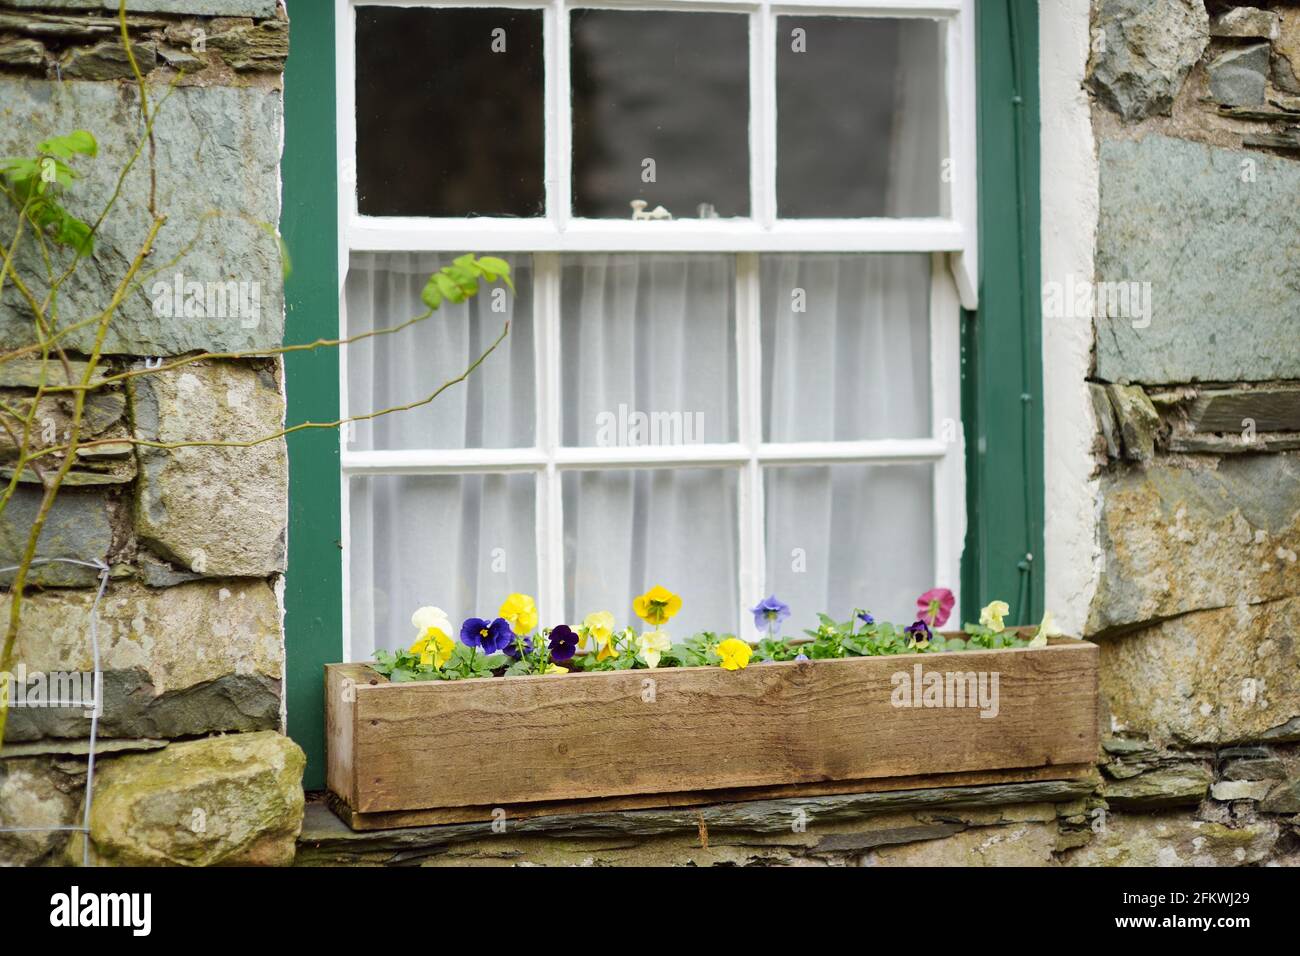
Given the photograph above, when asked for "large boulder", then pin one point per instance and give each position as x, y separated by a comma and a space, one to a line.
235, 800
1144, 52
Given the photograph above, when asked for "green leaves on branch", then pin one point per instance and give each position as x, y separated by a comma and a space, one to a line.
460, 280
33, 185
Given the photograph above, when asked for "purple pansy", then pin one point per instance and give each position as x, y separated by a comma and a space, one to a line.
801, 657
512, 649
769, 613
563, 643
491, 636
866, 618
919, 630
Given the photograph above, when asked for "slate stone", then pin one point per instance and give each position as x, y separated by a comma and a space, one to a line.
218, 151
1145, 52
1286, 51
1174, 786
34, 795
1217, 677
21, 52
107, 60
188, 660
1173, 840
1246, 22
217, 8
220, 511
1228, 790
327, 840
1239, 77
79, 527
1284, 798
1177, 539
1138, 422
133, 709
1225, 282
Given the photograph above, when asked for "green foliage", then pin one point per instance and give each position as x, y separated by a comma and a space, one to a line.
465, 662
460, 280
775, 649
697, 651
34, 184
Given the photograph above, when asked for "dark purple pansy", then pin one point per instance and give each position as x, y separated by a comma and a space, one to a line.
919, 630
866, 618
490, 636
512, 649
563, 643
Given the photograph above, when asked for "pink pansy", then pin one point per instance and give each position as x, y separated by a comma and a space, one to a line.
935, 605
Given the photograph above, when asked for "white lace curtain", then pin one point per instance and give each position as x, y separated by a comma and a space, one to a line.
845, 343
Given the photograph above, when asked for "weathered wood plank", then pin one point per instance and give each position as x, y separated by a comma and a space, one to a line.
524, 740
340, 718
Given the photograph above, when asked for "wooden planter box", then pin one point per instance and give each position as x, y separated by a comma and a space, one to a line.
408, 754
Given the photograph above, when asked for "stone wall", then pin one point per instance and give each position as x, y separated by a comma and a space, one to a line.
192, 765
1196, 391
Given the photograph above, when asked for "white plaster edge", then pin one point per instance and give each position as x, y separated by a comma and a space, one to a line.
1069, 196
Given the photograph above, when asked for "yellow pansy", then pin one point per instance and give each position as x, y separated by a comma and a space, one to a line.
735, 654
651, 646
432, 644
1047, 628
555, 669
433, 647
657, 605
521, 613
991, 616
599, 626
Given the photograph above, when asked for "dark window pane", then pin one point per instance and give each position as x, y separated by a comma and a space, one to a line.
671, 88
860, 120
449, 112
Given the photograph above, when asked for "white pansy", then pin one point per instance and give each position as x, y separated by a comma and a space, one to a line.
431, 617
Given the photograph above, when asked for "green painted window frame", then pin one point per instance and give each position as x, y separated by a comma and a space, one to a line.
1001, 350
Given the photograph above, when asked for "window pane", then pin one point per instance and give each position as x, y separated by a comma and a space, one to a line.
846, 347
493, 408
846, 536
449, 112
648, 349
860, 117
626, 531
660, 112
458, 542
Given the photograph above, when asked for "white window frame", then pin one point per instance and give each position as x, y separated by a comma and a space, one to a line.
951, 241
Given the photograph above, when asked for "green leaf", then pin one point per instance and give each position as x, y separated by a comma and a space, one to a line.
447, 287
65, 147
430, 295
